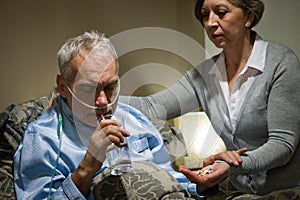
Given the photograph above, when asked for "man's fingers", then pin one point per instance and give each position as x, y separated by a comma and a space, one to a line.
112, 125
107, 122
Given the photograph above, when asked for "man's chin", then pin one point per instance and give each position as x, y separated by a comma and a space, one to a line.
93, 119
90, 120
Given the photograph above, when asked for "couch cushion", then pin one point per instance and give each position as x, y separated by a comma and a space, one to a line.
13, 122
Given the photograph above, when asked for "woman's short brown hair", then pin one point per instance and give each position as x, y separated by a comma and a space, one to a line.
255, 6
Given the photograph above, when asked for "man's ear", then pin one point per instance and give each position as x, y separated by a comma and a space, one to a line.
61, 85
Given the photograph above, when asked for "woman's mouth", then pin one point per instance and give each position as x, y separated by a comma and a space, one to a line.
216, 36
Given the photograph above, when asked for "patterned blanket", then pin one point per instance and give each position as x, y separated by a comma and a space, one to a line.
148, 181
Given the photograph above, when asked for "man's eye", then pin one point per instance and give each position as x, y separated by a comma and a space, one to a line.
86, 89
110, 88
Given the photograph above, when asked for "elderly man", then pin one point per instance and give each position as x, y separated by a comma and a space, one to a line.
65, 148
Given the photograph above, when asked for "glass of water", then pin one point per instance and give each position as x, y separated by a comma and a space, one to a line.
118, 157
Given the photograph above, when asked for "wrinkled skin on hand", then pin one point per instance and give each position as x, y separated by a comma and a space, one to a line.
109, 131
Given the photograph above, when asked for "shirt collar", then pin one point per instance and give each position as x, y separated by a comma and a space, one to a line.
66, 110
256, 60
73, 127
258, 55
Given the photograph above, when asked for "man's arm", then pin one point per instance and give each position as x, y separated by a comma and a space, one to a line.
109, 131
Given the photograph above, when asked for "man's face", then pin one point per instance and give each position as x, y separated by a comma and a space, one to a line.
95, 83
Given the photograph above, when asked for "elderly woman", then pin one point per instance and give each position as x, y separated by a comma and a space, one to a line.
250, 92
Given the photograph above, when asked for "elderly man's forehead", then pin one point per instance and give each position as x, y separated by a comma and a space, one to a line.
92, 68
99, 62
90, 61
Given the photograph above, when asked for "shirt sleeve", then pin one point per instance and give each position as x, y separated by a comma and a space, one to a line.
34, 168
71, 191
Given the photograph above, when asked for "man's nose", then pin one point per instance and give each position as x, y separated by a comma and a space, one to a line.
101, 99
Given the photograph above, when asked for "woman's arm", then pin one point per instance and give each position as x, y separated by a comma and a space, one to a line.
283, 121
171, 102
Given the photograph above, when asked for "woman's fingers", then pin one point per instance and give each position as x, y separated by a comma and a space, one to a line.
242, 150
231, 157
209, 160
207, 176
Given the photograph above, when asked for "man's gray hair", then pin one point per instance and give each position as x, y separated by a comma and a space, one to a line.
88, 41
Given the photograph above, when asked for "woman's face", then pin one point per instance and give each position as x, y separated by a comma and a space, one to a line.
226, 25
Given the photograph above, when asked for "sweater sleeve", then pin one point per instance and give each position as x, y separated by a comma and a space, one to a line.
283, 120
171, 102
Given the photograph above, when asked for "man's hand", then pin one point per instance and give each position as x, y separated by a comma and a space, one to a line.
109, 131
231, 157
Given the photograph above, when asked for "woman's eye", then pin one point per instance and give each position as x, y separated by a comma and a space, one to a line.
221, 13
204, 14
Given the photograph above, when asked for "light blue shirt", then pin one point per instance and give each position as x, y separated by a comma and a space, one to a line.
35, 159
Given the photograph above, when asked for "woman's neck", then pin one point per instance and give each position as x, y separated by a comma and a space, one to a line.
236, 57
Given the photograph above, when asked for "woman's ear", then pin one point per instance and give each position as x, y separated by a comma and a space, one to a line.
61, 85
250, 19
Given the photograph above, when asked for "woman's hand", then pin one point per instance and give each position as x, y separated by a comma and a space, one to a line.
214, 172
207, 176
231, 157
